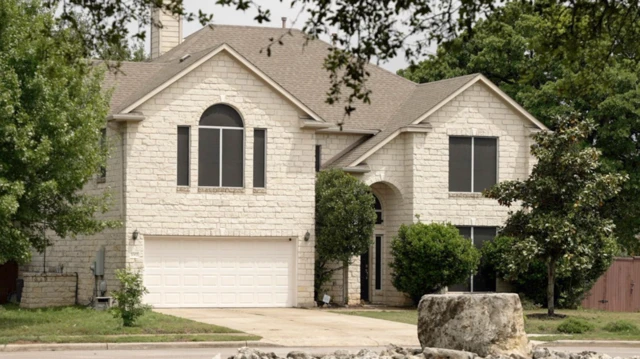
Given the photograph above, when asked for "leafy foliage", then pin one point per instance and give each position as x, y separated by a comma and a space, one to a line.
429, 257
128, 299
575, 326
559, 60
572, 283
345, 218
621, 326
559, 219
51, 112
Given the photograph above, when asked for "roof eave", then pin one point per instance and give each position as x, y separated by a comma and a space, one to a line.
357, 169
313, 125
348, 131
126, 117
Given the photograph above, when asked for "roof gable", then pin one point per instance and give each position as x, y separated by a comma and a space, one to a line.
171, 74
425, 101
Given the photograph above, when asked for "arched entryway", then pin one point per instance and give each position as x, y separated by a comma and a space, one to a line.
374, 276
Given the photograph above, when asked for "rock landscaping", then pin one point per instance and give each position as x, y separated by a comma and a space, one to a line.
485, 324
456, 326
395, 352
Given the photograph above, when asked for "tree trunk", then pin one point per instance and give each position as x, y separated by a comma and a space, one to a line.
345, 283
551, 281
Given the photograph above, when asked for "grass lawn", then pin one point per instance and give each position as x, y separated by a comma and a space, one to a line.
598, 319
82, 325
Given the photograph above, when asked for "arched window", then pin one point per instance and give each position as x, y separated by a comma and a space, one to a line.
221, 148
378, 207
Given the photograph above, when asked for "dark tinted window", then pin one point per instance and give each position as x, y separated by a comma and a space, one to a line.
103, 143
378, 262
483, 281
460, 164
318, 157
222, 116
183, 156
465, 232
485, 163
259, 154
378, 208
221, 150
209, 157
466, 285
232, 156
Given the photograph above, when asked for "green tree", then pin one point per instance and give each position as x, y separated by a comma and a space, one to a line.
572, 282
559, 220
51, 112
124, 51
429, 257
556, 65
345, 218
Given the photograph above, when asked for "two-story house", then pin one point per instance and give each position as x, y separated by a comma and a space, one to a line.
214, 152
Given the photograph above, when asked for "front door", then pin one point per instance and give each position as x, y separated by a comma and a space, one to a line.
364, 276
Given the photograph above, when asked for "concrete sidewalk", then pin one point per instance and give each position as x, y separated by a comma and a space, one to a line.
8, 348
305, 327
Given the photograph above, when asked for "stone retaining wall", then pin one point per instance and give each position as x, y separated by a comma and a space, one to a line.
48, 290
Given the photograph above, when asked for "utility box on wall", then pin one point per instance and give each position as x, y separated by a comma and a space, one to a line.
99, 263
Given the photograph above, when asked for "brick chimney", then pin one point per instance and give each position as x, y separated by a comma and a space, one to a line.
166, 37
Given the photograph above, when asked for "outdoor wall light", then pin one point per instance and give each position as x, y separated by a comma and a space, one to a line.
307, 236
135, 234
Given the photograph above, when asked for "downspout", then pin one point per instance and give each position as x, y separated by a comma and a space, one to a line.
76, 288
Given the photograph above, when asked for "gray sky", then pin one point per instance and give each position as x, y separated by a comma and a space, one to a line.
230, 16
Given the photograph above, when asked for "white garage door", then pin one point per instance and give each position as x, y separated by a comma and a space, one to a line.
182, 272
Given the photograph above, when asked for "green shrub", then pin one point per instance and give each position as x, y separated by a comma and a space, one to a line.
528, 304
575, 326
429, 257
621, 326
128, 299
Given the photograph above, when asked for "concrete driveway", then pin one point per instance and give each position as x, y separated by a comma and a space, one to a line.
305, 327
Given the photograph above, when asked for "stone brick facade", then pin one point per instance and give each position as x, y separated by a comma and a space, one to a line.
48, 290
410, 177
156, 206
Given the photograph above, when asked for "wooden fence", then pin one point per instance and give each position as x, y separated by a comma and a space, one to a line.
618, 290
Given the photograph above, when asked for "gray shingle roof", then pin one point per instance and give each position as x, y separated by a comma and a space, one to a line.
424, 98
297, 66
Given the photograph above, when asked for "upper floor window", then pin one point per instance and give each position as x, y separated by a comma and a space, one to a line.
473, 163
378, 207
221, 147
183, 155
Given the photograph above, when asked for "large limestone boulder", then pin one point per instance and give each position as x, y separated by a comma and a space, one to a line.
485, 324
